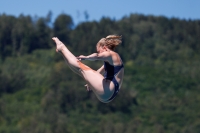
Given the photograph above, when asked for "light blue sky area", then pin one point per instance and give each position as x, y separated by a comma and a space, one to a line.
96, 9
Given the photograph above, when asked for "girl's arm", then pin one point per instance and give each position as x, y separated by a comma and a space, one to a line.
101, 70
105, 56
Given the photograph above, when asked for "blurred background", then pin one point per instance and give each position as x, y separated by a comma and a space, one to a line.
160, 50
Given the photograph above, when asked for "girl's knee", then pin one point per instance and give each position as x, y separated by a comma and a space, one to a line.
83, 66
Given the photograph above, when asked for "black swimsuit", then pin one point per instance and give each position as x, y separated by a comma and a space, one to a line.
111, 71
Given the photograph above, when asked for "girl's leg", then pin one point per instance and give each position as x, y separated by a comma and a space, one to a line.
70, 59
102, 88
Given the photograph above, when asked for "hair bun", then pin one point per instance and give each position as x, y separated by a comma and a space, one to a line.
114, 37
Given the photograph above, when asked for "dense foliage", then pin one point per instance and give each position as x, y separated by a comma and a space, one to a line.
40, 94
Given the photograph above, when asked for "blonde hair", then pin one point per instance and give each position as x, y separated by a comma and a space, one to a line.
111, 41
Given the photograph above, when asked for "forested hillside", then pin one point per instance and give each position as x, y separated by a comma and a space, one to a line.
40, 94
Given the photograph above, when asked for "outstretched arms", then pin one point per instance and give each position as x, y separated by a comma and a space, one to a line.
105, 56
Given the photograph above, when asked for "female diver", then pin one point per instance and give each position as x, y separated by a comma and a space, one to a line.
105, 87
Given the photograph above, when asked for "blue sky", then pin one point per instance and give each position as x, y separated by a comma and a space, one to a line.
96, 9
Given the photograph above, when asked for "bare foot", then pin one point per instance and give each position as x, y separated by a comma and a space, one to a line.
59, 44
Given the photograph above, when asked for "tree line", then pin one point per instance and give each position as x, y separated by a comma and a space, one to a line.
39, 93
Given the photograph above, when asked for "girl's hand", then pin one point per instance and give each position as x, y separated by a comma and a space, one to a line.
87, 87
81, 57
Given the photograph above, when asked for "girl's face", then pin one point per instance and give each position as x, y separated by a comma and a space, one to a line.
100, 49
